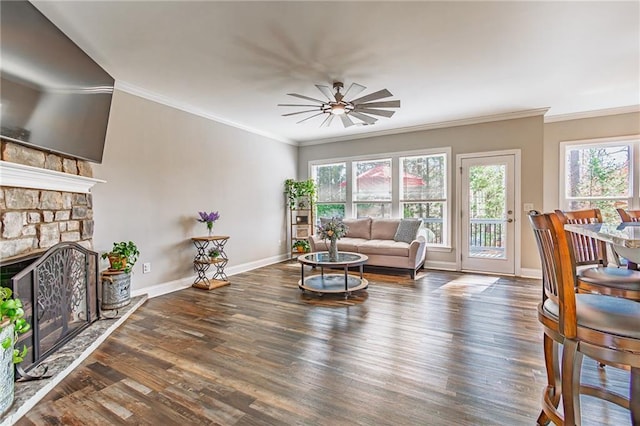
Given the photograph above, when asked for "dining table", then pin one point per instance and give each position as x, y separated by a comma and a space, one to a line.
623, 236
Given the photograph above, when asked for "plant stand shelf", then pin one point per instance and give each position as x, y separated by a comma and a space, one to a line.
202, 262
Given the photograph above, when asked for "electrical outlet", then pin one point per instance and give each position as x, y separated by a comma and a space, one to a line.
528, 207
146, 268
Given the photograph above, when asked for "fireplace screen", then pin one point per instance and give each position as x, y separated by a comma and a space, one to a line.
59, 294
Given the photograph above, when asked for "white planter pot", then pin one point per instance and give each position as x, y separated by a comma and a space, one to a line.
7, 384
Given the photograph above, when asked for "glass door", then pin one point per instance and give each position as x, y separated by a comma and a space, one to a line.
487, 212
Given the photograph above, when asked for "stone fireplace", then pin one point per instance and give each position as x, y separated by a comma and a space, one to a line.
46, 204
44, 200
46, 208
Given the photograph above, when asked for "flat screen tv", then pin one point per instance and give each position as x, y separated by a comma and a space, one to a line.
53, 95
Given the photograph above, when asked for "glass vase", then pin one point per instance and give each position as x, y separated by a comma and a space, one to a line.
333, 250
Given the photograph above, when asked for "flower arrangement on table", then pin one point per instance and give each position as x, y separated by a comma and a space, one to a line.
332, 230
209, 219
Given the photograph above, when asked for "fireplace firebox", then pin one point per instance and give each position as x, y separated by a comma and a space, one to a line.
59, 294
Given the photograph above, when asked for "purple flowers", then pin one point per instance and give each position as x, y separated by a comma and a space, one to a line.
208, 218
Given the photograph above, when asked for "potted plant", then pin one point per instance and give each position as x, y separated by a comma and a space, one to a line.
301, 246
116, 282
12, 323
214, 253
122, 256
298, 191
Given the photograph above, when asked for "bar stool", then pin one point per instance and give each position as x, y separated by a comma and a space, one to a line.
604, 328
600, 278
629, 215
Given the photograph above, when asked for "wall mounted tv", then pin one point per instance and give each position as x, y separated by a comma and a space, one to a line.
53, 95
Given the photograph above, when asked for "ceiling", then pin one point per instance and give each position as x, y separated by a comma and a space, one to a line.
445, 61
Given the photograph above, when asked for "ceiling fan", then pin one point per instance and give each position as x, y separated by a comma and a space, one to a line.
337, 104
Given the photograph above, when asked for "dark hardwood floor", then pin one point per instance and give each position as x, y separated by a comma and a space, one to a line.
446, 349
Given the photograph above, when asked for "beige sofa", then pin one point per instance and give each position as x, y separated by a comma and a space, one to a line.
375, 239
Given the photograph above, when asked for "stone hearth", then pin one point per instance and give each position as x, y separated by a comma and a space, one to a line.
62, 363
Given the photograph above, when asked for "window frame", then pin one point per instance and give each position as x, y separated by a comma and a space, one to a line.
354, 187
633, 142
313, 175
395, 186
446, 225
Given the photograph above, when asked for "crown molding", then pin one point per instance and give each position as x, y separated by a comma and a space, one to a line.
23, 176
592, 114
443, 124
165, 100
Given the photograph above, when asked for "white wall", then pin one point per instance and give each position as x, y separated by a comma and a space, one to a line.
571, 130
525, 134
163, 165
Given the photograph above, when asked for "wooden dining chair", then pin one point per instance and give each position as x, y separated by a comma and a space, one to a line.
629, 215
603, 328
601, 278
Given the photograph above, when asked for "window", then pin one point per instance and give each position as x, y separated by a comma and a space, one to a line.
423, 193
372, 188
409, 185
331, 187
599, 175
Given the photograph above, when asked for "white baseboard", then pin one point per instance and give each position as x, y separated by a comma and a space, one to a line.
444, 266
245, 267
182, 283
164, 288
451, 266
531, 273
171, 286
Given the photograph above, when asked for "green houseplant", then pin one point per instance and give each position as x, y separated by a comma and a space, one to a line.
297, 191
12, 323
11, 313
122, 256
301, 246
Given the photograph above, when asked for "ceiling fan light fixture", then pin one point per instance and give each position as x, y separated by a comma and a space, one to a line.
345, 106
338, 109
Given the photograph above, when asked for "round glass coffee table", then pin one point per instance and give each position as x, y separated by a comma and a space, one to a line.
333, 283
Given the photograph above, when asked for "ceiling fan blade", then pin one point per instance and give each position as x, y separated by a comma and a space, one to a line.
385, 104
309, 118
365, 118
299, 112
306, 97
381, 112
298, 105
327, 92
353, 90
327, 121
346, 121
384, 93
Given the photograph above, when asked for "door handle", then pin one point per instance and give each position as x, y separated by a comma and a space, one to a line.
509, 220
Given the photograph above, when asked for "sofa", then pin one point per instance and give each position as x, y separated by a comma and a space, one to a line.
392, 243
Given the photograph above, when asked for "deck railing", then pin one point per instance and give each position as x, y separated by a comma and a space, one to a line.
487, 233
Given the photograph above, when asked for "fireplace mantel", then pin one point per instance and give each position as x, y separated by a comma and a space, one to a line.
22, 176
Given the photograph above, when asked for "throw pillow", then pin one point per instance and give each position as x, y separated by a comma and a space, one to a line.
407, 230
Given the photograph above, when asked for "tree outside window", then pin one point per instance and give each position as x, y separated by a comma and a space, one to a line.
331, 188
598, 176
423, 193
